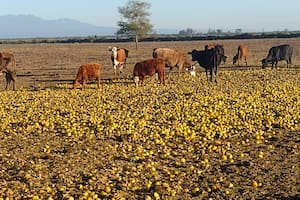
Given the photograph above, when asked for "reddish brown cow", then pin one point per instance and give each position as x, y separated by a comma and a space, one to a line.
173, 58
87, 72
10, 76
242, 52
8, 58
149, 68
211, 45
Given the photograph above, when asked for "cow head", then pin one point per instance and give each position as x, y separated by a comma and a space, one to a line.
264, 63
193, 54
3, 70
114, 52
234, 59
136, 80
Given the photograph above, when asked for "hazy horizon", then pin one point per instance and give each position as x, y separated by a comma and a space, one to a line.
255, 15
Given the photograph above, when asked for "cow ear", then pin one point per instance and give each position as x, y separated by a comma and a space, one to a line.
189, 52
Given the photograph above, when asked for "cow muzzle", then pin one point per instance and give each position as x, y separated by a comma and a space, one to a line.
136, 81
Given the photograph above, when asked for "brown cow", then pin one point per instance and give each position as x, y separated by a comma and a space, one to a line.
10, 76
118, 58
8, 58
211, 45
149, 68
242, 52
173, 58
87, 72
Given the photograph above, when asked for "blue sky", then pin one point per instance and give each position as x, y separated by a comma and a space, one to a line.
249, 15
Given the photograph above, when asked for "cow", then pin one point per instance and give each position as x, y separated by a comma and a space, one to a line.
209, 59
7, 58
242, 52
149, 68
173, 58
220, 49
278, 53
87, 72
10, 76
210, 46
118, 58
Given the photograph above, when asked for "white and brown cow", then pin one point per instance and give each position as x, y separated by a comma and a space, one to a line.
118, 58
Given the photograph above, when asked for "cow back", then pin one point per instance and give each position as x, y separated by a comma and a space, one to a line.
122, 55
89, 71
172, 57
282, 52
149, 67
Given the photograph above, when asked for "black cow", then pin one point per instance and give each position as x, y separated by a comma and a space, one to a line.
219, 48
220, 54
278, 53
209, 59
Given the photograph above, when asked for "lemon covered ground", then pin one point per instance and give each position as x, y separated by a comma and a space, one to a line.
237, 139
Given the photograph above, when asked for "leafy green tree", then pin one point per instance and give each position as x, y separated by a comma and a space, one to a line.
136, 22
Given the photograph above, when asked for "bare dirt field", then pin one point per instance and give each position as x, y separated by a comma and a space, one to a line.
238, 139
42, 65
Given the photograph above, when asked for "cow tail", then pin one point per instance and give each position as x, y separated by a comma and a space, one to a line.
79, 76
215, 65
154, 55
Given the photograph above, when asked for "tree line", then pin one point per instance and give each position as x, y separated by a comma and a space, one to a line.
150, 38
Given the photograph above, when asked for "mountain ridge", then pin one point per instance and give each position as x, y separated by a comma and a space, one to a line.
31, 26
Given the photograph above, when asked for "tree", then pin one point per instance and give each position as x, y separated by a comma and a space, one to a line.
187, 32
136, 22
238, 31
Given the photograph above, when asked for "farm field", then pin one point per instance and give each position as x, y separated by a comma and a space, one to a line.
189, 139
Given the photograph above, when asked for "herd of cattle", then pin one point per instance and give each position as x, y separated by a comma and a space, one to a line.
210, 58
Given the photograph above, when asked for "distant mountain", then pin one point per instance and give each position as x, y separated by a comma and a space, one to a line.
29, 26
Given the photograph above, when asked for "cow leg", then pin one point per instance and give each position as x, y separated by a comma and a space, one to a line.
141, 81
83, 84
206, 72
8, 80
246, 60
276, 62
272, 64
6, 86
121, 69
14, 85
288, 63
216, 75
211, 75
98, 83
161, 78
